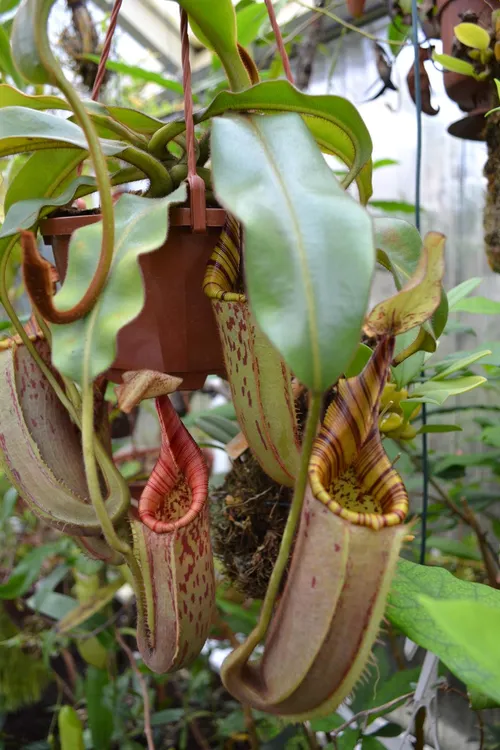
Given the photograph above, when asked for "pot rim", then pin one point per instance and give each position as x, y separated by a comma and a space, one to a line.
178, 217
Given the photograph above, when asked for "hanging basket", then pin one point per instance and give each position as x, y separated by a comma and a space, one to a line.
175, 331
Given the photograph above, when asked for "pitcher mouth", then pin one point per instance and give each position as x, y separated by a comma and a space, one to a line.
349, 470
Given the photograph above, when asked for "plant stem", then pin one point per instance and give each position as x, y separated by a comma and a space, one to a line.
42, 9
291, 525
347, 25
144, 689
161, 182
88, 443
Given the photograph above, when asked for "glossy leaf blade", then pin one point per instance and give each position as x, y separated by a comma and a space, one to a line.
436, 629
22, 129
25, 214
309, 254
334, 122
141, 225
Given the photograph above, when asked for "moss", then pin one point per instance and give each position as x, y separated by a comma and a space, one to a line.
249, 514
23, 674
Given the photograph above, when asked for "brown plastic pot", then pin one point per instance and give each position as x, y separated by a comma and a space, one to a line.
468, 93
176, 331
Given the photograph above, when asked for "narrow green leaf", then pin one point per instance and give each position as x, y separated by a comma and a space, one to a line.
138, 73
394, 207
478, 305
218, 427
472, 35
141, 225
379, 163
11, 97
454, 64
437, 391
249, 21
437, 428
462, 290
217, 24
87, 609
25, 214
471, 649
334, 122
6, 63
70, 729
454, 548
309, 246
100, 715
22, 130
461, 364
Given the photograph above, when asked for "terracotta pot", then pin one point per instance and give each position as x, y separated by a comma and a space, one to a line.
468, 93
176, 331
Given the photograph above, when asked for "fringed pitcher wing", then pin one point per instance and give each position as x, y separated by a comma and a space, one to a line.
260, 381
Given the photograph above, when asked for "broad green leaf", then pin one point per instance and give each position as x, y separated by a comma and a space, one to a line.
472, 35
454, 548
48, 584
100, 715
141, 225
479, 701
334, 122
6, 64
436, 428
437, 391
461, 364
249, 21
23, 129
44, 174
31, 17
25, 214
168, 716
462, 290
6, 5
309, 254
454, 64
397, 31
217, 24
478, 305
53, 605
472, 648
406, 613
417, 299
399, 247
136, 121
